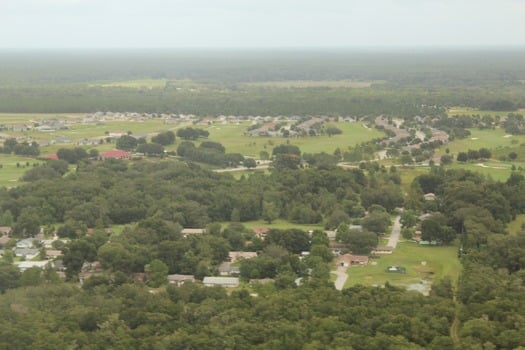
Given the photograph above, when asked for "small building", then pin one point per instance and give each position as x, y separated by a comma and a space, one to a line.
225, 269
429, 196
349, 260
331, 234
115, 154
50, 156
27, 253
24, 265
234, 256
192, 231
5, 230
53, 254
260, 231
25, 243
179, 280
382, 250
228, 282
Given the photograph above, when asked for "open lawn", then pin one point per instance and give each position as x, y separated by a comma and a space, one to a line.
491, 139
474, 111
10, 172
22, 118
233, 138
408, 174
498, 171
422, 263
135, 84
279, 224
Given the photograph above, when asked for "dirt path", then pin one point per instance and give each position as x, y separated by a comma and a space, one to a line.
342, 276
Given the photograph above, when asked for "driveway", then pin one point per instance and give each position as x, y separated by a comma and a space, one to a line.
396, 231
341, 277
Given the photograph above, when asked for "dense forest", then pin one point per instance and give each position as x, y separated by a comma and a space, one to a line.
212, 83
112, 310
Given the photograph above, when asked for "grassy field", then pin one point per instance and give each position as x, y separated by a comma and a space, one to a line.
278, 224
354, 84
470, 111
233, 138
10, 172
135, 84
423, 263
515, 226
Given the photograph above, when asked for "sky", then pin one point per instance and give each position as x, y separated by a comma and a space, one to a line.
36, 24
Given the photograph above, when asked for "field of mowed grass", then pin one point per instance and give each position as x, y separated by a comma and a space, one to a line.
22, 118
278, 224
474, 111
497, 171
422, 263
491, 139
233, 138
135, 84
13, 167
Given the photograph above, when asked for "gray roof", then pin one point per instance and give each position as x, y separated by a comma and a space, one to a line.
222, 281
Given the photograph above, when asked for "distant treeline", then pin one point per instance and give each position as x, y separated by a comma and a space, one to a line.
415, 83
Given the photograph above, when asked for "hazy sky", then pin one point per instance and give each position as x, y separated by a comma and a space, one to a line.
260, 23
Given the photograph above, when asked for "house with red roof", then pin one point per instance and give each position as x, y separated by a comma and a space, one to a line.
50, 156
116, 154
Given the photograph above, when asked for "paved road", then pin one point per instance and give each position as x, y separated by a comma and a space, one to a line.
396, 231
341, 277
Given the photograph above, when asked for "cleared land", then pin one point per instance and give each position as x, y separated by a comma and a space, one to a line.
422, 263
135, 84
515, 226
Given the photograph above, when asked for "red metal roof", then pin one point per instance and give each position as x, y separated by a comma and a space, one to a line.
116, 153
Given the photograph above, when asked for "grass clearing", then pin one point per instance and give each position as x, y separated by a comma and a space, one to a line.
278, 224
515, 226
135, 84
233, 138
10, 172
439, 262
474, 111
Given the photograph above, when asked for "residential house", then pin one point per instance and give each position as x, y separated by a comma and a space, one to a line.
24, 265
116, 154
192, 231
25, 243
349, 260
382, 250
27, 253
228, 282
179, 280
53, 254
236, 256
225, 269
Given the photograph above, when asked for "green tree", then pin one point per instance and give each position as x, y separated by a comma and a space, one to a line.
270, 212
157, 273
126, 143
